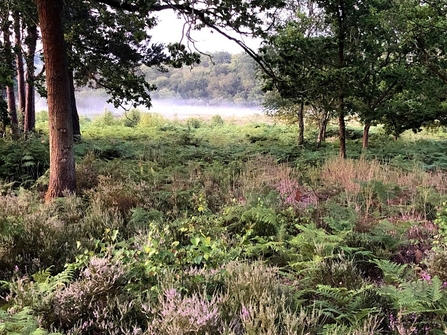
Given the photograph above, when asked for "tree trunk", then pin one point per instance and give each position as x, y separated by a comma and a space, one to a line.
62, 165
365, 141
10, 94
12, 111
322, 128
301, 124
30, 101
19, 64
342, 131
341, 18
74, 109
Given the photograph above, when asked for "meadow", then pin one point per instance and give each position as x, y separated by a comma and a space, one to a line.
223, 226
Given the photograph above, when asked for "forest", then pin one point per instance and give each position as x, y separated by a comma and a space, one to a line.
325, 215
219, 79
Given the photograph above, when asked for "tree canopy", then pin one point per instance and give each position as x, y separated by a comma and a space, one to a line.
382, 61
106, 41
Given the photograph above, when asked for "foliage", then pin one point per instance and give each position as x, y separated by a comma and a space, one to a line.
374, 59
20, 323
180, 219
220, 78
23, 162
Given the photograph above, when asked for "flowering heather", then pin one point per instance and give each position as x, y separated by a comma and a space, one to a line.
180, 315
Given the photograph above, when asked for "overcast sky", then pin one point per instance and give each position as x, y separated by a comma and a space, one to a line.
169, 29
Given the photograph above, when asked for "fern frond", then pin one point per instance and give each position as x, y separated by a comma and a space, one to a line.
393, 273
418, 297
43, 276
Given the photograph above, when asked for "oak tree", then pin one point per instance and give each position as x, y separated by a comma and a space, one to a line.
119, 46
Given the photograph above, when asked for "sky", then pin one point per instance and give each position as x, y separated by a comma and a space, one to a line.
169, 29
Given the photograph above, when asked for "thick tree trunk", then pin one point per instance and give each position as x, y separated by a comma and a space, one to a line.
365, 141
301, 124
30, 101
62, 165
74, 109
19, 64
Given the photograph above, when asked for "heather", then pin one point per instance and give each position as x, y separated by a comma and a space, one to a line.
224, 226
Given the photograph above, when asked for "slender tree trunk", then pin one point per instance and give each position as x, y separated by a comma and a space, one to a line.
341, 16
322, 126
301, 124
12, 111
19, 64
74, 109
30, 100
366, 128
62, 165
10, 94
342, 132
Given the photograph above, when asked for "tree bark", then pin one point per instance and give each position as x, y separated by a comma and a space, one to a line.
322, 128
62, 165
365, 141
74, 109
19, 64
341, 17
10, 94
12, 110
301, 124
30, 100
342, 132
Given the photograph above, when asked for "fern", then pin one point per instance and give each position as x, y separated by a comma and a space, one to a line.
47, 283
35, 292
265, 246
343, 305
20, 323
418, 297
393, 273
315, 240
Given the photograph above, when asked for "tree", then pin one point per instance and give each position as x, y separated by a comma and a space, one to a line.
9, 60
5, 80
109, 16
341, 57
30, 78
62, 164
380, 70
300, 56
19, 61
418, 103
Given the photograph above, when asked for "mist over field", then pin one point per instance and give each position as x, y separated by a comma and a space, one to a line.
96, 105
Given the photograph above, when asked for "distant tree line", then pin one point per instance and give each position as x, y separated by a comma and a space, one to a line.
219, 78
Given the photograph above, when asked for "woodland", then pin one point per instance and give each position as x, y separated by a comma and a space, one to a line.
326, 215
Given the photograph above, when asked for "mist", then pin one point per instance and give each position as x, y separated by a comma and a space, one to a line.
95, 105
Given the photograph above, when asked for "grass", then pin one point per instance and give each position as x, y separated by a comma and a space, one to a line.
221, 227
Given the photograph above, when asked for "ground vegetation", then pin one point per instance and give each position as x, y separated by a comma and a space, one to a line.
224, 226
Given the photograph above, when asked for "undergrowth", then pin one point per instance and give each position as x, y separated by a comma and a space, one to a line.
214, 227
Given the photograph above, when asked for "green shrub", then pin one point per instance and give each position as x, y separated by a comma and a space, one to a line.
193, 122
149, 120
217, 121
107, 119
131, 118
